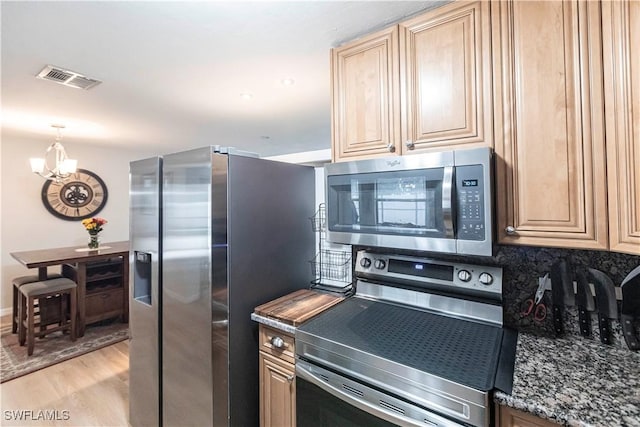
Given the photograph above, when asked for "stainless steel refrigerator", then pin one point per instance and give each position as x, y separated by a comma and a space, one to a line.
212, 235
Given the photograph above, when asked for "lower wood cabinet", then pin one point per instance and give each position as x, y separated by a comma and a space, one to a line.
277, 378
277, 392
509, 417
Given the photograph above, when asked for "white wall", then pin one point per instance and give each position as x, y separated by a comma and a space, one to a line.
314, 158
25, 223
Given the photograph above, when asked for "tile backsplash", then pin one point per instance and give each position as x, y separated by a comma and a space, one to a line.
523, 265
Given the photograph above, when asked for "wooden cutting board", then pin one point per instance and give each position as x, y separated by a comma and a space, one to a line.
297, 307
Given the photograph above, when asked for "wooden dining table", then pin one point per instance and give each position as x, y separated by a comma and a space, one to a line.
79, 258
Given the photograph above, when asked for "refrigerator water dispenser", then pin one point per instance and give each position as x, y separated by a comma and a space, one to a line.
142, 278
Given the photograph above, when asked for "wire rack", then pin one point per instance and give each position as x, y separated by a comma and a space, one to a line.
319, 219
331, 268
331, 265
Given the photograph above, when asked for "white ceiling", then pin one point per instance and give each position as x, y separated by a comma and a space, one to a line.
173, 72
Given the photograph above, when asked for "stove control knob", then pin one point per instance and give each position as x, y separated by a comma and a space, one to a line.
380, 264
365, 262
485, 279
464, 275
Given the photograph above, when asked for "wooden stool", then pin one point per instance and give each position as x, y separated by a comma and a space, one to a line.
17, 282
39, 290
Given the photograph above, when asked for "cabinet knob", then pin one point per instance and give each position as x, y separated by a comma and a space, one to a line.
410, 144
510, 229
391, 147
277, 342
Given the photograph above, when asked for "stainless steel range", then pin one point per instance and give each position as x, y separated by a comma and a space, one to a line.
421, 343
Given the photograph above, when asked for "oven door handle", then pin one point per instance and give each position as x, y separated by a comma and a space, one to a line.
447, 201
307, 375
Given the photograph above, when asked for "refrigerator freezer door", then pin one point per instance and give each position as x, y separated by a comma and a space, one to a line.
187, 293
144, 298
236, 234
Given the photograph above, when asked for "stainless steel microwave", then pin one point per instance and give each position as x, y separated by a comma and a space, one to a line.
437, 202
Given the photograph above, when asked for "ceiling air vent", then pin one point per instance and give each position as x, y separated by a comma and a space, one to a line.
67, 77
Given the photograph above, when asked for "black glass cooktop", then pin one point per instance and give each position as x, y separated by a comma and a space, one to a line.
458, 350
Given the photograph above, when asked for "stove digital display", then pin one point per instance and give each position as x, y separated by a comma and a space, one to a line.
421, 269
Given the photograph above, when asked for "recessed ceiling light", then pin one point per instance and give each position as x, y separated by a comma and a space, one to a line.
287, 82
246, 95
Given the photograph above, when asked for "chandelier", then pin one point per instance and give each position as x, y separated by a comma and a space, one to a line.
64, 166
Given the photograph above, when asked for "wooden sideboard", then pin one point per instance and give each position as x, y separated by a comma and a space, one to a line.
102, 277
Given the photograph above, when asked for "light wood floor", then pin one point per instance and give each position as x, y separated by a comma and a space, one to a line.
90, 390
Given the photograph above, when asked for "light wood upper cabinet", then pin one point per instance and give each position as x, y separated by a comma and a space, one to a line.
425, 82
549, 124
621, 53
446, 78
365, 108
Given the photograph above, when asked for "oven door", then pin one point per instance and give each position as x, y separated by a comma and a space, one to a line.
325, 398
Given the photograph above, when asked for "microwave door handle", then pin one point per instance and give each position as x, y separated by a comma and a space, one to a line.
447, 201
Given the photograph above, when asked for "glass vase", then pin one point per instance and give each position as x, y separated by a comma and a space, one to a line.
94, 241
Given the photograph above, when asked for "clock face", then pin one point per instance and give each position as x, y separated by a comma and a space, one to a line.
82, 195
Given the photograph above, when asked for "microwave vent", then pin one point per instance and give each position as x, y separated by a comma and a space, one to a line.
67, 77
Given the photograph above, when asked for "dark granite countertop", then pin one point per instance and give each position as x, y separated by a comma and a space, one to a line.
575, 382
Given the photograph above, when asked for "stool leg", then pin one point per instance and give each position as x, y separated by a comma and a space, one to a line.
61, 311
72, 313
30, 328
22, 317
14, 316
43, 303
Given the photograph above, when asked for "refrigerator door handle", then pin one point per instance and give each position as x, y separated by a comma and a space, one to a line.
220, 323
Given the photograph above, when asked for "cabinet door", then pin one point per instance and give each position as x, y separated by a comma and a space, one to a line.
509, 417
277, 392
103, 305
446, 78
549, 123
621, 44
365, 108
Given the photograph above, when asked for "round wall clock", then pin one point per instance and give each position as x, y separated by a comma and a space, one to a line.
82, 195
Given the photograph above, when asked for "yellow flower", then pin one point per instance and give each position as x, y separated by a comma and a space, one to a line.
94, 224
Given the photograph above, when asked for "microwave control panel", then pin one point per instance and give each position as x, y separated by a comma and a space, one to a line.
470, 200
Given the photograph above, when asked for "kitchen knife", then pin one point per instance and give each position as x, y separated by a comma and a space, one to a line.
562, 292
585, 303
607, 304
630, 307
